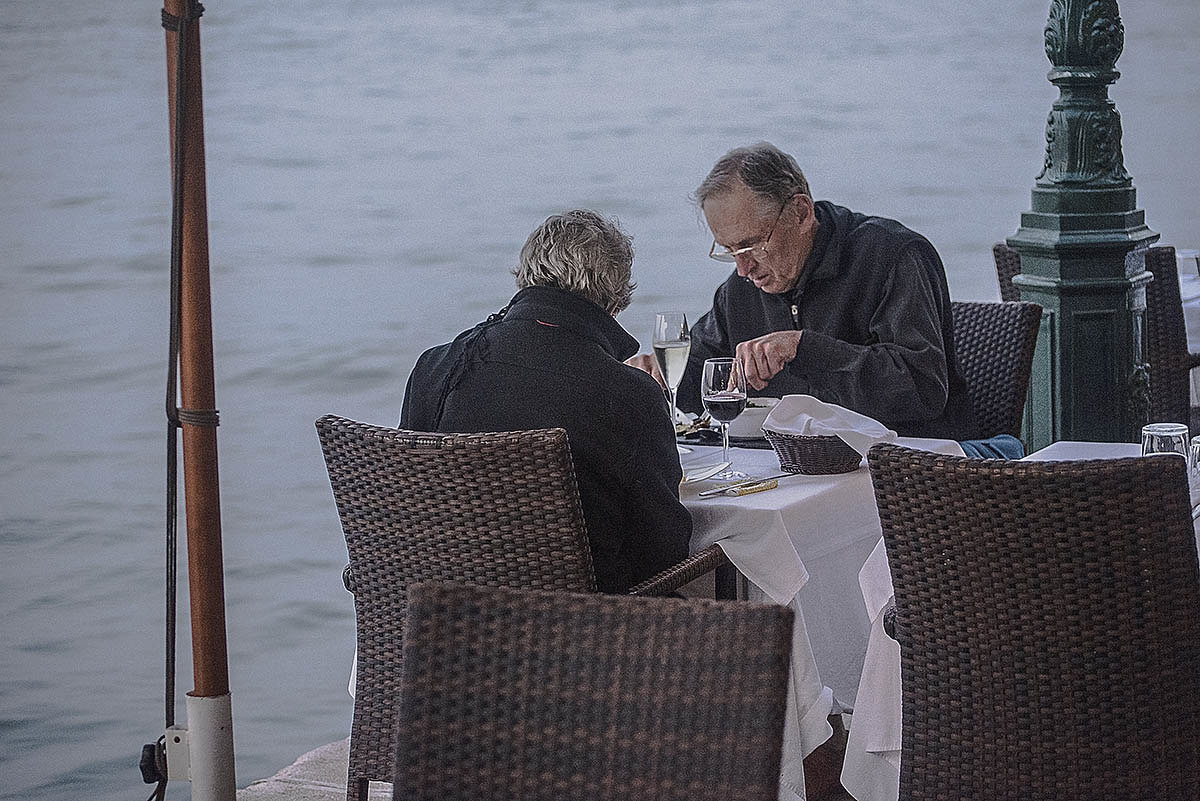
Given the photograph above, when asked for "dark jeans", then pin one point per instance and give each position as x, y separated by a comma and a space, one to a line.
1001, 446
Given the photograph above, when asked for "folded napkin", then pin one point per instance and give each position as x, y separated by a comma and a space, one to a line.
806, 416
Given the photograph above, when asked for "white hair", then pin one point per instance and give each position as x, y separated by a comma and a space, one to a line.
582, 252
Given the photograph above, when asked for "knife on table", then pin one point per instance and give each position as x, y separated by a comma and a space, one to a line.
745, 487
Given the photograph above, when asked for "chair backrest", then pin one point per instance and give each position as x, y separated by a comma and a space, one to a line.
495, 509
1166, 341
548, 696
1008, 264
994, 343
1048, 615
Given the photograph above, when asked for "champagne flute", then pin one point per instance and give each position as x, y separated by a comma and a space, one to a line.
672, 344
723, 392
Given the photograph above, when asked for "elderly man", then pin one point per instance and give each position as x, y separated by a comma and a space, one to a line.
553, 358
825, 301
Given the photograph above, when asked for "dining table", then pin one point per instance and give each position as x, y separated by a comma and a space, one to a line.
800, 544
871, 769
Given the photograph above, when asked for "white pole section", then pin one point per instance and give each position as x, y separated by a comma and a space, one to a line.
210, 731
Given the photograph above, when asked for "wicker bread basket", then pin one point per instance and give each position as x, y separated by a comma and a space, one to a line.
813, 455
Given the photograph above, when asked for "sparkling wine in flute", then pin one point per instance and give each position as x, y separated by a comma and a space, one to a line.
672, 359
672, 343
725, 406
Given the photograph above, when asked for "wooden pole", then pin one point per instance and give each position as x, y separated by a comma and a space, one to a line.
196, 385
210, 717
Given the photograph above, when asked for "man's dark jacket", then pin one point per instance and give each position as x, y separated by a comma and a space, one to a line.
878, 337
553, 360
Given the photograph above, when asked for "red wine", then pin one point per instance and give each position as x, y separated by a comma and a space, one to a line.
725, 406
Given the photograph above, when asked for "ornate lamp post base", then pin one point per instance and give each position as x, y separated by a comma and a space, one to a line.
1081, 245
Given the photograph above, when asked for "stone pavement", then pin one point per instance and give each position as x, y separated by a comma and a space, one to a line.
319, 775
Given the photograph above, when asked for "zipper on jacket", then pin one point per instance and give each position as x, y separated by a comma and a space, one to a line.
795, 315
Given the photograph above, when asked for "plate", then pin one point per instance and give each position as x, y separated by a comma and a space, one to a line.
748, 424
701, 473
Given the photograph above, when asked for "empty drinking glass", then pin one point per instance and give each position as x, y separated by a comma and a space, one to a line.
1194, 466
1187, 261
1165, 439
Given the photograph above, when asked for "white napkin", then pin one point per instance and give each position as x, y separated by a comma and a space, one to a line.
807, 416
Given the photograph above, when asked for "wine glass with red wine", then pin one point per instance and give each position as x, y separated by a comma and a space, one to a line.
723, 392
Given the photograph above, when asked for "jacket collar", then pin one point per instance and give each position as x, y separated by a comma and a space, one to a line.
824, 260
556, 307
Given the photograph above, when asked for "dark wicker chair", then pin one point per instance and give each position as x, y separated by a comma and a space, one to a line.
994, 344
494, 509
1166, 343
1048, 615
548, 696
1008, 264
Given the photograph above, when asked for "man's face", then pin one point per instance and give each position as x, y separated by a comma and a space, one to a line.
780, 238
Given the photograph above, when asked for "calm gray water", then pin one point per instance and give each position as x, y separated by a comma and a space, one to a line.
373, 169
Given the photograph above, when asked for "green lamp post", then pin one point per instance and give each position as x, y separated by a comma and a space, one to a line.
1082, 245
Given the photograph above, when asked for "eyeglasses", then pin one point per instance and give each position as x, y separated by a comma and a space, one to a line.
757, 252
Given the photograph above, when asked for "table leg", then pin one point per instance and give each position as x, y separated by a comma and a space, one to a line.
727, 583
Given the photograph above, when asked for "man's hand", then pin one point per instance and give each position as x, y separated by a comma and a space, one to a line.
647, 363
764, 357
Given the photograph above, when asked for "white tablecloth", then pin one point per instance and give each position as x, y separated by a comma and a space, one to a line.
802, 545
871, 771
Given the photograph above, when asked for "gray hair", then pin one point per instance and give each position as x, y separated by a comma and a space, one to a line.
765, 170
582, 252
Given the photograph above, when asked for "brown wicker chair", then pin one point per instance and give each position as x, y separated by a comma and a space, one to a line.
1166, 343
548, 696
1008, 264
495, 509
994, 343
1048, 615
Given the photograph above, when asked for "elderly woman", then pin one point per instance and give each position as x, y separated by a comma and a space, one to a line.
553, 358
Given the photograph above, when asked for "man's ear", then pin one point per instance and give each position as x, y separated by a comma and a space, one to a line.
803, 205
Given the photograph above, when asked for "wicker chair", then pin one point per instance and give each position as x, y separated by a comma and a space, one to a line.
1166, 343
1048, 616
495, 509
994, 343
1008, 264
548, 696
